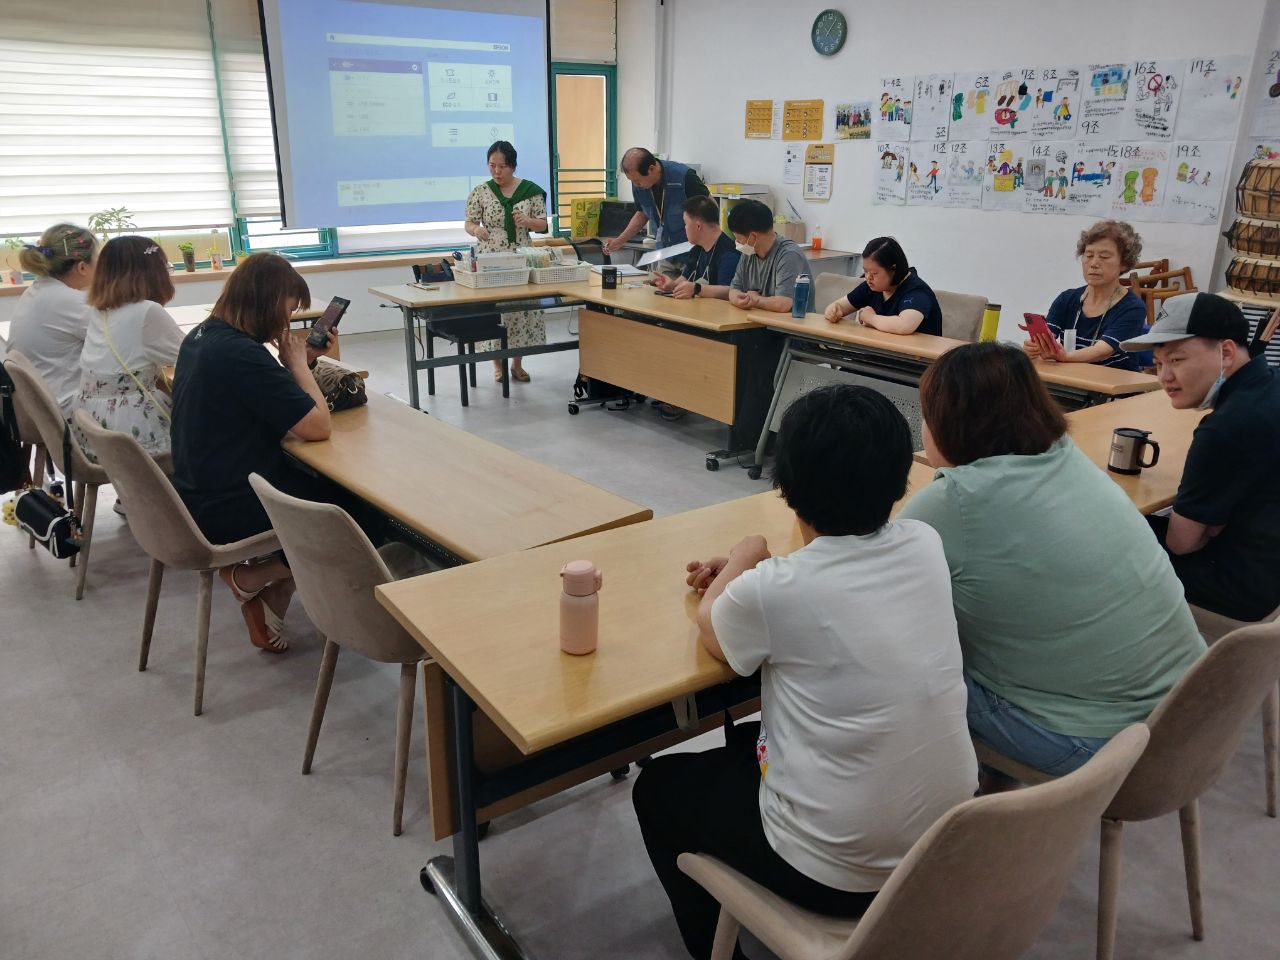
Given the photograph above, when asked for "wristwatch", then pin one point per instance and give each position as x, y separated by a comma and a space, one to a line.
697, 289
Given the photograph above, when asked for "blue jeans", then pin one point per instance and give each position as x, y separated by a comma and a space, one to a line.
1008, 730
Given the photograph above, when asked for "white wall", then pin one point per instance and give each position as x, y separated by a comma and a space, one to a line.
726, 52
637, 72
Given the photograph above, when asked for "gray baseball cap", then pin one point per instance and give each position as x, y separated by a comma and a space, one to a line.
1194, 315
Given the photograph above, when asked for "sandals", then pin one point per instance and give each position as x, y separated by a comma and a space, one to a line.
520, 376
265, 625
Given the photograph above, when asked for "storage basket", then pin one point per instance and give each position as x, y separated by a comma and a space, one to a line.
1255, 278
561, 273
1258, 192
1254, 238
492, 278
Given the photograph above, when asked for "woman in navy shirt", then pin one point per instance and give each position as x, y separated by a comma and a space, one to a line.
1103, 312
891, 296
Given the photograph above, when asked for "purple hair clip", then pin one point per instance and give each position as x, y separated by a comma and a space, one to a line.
151, 249
45, 250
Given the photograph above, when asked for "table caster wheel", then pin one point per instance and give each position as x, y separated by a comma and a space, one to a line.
573, 409
482, 829
425, 879
713, 464
643, 762
754, 471
620, 773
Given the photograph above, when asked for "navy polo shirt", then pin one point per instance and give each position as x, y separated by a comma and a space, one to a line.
912, 294
714, 267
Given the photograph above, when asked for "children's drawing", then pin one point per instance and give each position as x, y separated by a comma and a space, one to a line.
892, 119
972, 105
1265, 119
1141, 173
1014, 96
1049, 169
1157, 91
1005, 175
853, 120
926, 174
931, 106
1078, 178
1212, 98
1106, 109
1055, 104
966, 168
1194, 193
891, 174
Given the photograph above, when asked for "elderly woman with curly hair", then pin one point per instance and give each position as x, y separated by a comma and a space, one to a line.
1103, 313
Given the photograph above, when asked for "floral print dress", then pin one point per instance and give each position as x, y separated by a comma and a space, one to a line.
525, 328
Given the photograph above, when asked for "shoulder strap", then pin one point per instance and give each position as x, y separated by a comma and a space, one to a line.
160, 408
7, 415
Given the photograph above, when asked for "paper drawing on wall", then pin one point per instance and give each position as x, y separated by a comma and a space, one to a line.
1105, 108
972, 104
1141, 174
1265, 120
926, 174
1157, 91
1049, 171
853, 120
1006, 173
1014, 92
891, 174
1078, 178
892, 121
1056, 99
1194, 194
1212, 97
966, 161
931, 106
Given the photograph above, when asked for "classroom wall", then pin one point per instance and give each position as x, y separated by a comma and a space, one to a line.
637, 72
724, 53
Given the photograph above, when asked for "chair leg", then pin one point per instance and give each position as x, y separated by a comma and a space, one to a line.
1271, 743
1108, 887
76, 493
149, 617
204, 600
1189, 821
727, 929
328, 660
90, 506
404, 726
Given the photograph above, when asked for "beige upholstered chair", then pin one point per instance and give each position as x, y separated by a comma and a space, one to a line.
829, 287
961, 314
163, 527
29, 436
1194, 732
335, 568
45, 416
1214, 626
944, 899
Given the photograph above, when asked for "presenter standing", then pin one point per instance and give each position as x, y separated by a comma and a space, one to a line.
500, 214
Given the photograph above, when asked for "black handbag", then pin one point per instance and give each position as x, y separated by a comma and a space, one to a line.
40, 515
342, 388
13, 465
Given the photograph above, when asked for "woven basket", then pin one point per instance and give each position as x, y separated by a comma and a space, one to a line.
1258, 192
1254, 277
1254, 238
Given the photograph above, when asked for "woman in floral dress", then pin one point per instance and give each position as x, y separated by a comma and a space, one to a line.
500, 215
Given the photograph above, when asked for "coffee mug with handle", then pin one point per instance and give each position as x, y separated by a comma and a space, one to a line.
1127, 444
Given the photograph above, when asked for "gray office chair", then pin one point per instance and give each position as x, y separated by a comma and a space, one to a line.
961, 314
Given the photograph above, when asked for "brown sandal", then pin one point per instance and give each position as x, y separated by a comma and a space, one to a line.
520, 376
265, 626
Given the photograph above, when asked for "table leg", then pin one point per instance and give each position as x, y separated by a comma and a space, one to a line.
506, 368
431, 352
779, 378
462, 374
411, 356
471, 367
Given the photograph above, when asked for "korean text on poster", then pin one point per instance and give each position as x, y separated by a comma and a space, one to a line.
892, 120
1197, 174
1212, 98
931, 106
1015, 95
926, 174
966, 164
1106, 112
1157, 91
891, 174
1265, 121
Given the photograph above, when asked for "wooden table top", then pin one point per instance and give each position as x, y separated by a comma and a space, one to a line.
473, 497
494, 626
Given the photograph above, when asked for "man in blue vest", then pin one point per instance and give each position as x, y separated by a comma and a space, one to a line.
659, 188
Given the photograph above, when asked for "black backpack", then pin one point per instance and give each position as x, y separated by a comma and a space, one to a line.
13, 465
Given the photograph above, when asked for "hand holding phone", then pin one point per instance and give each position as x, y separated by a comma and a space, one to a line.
1037, 328
318, 338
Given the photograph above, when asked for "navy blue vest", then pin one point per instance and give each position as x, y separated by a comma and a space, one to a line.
671, 221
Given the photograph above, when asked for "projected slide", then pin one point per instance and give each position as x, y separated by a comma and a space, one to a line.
383, 110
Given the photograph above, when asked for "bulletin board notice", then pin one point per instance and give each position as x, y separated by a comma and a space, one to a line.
801, 119
759, 119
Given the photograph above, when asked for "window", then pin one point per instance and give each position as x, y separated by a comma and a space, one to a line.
267, 233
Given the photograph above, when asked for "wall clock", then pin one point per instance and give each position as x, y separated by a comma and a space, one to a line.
829, 32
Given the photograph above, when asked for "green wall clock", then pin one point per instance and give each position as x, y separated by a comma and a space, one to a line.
829, 32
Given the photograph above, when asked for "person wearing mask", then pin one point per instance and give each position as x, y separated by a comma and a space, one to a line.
130, 340
659, 189
862, 742
1071, 618
51, 317
891, 297
710, 266
1103, 312
500, 214
233, 403
766, 274
1223, 534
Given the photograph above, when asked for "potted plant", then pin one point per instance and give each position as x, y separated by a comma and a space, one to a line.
188, 255
13, 273
215, 257
113, 218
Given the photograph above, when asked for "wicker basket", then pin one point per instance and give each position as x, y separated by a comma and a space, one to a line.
1255, 278
492, 278
1254, 238
1258, 192
561, 273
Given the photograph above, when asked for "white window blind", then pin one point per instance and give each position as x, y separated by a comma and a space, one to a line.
246, 104
109, 105
584, 31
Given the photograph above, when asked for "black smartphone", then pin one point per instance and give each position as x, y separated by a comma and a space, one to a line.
319, 335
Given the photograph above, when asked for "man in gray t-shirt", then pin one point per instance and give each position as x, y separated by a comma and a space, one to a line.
766, 274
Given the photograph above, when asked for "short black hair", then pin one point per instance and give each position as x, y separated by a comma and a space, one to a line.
887, 252
506, 149
844, 453
750, 216
640, 158
703, 208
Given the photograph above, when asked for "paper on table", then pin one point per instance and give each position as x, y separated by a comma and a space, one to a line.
624, 269
664, 254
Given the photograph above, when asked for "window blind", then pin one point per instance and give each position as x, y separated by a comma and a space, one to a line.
584, 31
109, 105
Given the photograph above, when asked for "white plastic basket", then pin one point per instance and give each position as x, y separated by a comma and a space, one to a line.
561, 273
492, 278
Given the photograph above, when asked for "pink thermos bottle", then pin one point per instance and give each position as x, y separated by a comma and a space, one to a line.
580, 607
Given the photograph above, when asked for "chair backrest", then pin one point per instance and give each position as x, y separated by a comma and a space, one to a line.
961, 314
335, 569
28, 431
159, 519
590, 251
31, 394
1199, 724
830, 287
987, 876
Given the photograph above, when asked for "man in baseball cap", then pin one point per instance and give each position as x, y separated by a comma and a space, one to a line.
1223, 535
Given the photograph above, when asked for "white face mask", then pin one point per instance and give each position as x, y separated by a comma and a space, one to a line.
1211, 397
746, 249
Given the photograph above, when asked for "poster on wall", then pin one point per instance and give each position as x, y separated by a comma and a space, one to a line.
966, 164
1212, 96
892, 121
1004, 175
971, 105
759, 124
891, 174
853, 120
1070, 177
1157, 91
1048, 177
792, 163
819, 166
801, 119
926, 174
1265, 120
1014, 96
1055, 103
1141, 178
1198, 172
931, 106
1105, 110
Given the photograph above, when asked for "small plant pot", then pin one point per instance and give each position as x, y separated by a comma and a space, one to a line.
189, 260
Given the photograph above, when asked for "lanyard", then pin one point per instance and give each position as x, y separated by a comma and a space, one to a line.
1111, 302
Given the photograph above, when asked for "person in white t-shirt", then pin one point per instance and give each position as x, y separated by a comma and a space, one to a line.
863, 741
51, 316
131, 338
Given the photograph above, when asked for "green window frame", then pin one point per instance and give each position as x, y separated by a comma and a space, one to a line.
610, 171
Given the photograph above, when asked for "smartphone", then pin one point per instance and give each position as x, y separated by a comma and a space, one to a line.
319, 335
1036, 326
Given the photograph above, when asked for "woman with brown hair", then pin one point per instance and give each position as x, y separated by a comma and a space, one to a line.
130, 339
1072, 622
233, 403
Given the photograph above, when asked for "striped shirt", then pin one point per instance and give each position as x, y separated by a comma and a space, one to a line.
1126, 319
